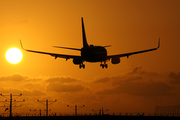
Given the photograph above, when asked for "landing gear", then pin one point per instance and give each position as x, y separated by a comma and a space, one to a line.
81, 65
104, 65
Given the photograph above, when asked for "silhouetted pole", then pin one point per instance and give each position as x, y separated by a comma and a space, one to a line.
40, 112
10, 105
11, 100
46, 107
47, 103
75, 108
101, 111
37, 110
97, 110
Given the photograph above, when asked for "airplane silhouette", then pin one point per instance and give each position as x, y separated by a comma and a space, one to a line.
91, 53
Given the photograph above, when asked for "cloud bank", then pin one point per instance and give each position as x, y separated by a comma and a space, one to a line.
123, 88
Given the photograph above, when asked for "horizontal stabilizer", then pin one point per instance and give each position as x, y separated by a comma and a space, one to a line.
107, 46
67, 48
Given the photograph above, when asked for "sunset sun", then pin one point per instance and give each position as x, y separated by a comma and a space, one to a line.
14, 55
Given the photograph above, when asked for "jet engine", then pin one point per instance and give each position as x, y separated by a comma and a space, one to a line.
115, 60
77, 60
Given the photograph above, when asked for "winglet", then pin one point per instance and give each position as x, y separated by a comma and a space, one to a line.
21, 44
158, 44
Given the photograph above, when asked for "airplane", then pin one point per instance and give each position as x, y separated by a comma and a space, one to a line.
91, 53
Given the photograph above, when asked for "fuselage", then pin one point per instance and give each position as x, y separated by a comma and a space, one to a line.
94, 53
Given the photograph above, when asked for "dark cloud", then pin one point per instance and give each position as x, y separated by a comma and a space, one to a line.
175, 78
139, 70
136, 74
150, 88
62, 79
126, 79
58, 87
102, 80
138, 82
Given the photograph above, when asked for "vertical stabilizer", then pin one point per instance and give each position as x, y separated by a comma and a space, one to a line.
85, 44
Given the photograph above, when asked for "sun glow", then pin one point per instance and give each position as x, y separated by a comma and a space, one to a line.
14, 55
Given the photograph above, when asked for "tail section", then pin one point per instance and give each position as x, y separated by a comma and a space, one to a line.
85, 44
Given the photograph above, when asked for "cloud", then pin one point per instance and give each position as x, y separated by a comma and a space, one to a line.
17, 77
175, 78
11, 90
150, 88
102, 80
136, 74
58, 87
139, 70
138, 82
62, 79
36, 85
15, 91
14, 77
33, 93
64, 84
126, 79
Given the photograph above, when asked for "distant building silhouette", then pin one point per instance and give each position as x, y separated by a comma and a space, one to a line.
167, 110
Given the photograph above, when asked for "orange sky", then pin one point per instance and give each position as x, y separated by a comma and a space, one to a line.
137, 84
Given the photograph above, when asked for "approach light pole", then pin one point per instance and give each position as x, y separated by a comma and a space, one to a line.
47, 103
101, 111
37, 110
11, 101
75, 108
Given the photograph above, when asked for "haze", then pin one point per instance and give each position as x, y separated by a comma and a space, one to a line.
137, 84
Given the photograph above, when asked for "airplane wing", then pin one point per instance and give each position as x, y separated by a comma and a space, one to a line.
132, 53
52, 54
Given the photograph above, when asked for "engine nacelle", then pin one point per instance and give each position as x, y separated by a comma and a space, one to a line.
77, 60
115, 60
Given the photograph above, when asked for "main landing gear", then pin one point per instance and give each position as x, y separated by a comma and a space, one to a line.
81, 65
104, 65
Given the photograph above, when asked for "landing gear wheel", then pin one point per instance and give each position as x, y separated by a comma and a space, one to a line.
102, 66
81, 66
106, 66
